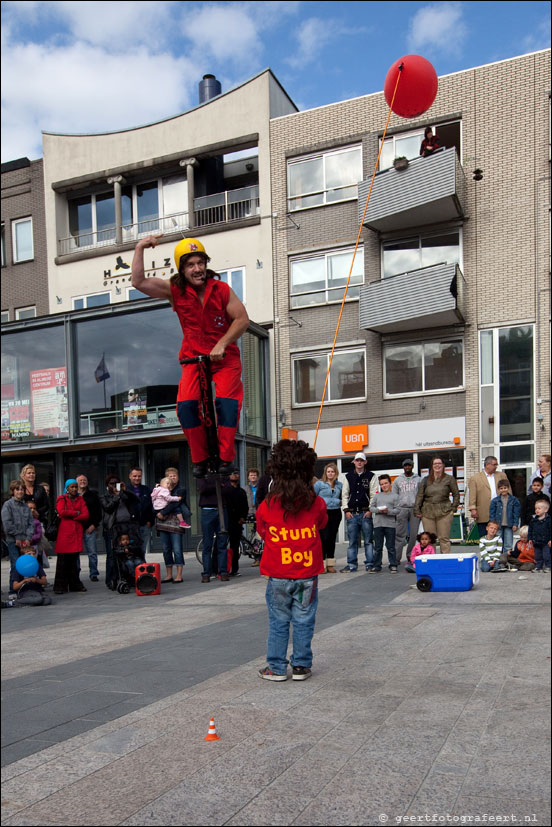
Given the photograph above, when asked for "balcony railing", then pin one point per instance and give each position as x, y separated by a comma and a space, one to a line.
232, 205
430, 191
430, 297
220, 208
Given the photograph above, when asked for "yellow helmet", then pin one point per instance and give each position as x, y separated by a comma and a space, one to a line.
186, 247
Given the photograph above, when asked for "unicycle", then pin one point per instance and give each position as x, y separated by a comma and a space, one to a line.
207, 414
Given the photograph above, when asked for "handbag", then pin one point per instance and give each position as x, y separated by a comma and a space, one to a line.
171, 523
51, 530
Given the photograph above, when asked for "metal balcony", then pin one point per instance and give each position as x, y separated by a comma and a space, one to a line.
431, 297
429, 191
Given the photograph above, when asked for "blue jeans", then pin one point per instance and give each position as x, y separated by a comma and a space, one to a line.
507, 538
542, 556
172, 548
210, 528
145, 534
295, 602
90, 547
382, 533
355, 524
486, 566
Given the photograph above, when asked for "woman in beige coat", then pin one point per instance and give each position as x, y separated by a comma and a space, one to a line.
433, 504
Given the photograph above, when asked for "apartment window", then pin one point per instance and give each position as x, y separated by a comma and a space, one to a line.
408, 144
409, 254
236, 279
25, 313
153, 206
133, 294
319, 279
414, 368
5, 316
347, 382
93, 300
324, 178
22, 239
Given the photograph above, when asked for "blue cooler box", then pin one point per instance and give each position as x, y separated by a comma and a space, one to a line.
447, 572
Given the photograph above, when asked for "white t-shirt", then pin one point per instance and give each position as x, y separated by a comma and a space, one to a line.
492, 484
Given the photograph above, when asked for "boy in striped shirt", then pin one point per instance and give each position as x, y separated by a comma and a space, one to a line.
490, 548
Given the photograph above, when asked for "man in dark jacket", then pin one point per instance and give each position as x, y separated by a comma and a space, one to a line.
90, 536
120, 516
145, 508
359, 488
238, 508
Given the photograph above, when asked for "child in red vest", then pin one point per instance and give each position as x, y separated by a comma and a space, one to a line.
289, 522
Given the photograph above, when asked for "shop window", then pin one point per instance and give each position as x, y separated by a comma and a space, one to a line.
324, 178
321, 278
22, 240
34, 385
423, 367
254, 381
347, 380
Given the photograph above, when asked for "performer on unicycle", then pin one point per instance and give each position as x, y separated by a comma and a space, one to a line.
212, 319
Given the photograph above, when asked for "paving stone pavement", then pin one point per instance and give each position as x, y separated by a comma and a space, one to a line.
423, 707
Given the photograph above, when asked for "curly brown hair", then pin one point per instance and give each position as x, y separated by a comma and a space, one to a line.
292, 470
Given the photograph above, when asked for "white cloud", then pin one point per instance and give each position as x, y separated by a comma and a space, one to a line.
438, 27
83, 88
222, 33
314, 35
114, 25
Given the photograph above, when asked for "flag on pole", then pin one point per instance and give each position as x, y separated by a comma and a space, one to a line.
101, 373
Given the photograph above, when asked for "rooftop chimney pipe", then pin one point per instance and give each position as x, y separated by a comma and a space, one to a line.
209, 88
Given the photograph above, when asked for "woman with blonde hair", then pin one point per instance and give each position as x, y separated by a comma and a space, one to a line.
329, 488
35, 492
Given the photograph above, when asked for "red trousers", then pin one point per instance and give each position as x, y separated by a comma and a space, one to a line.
228, 402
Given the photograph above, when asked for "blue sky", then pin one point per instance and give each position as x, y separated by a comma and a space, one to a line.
98, 66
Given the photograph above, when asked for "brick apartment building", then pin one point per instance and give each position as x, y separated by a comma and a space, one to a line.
24, 264
444, 342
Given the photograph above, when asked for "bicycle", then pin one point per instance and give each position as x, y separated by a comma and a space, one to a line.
249, 546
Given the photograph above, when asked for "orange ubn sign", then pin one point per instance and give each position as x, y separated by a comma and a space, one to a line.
354, 437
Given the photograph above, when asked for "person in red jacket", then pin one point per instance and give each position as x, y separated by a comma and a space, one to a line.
289, 521
73, 512
212, 320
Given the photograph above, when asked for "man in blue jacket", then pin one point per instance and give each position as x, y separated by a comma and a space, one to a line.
145, 508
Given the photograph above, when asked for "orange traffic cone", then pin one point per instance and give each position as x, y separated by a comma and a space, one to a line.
212, 734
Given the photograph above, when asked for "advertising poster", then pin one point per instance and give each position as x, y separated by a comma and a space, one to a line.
20, 425
49, 402
135, 410
8, 393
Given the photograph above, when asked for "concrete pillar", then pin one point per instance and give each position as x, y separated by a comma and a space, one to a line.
190, 164
118, 181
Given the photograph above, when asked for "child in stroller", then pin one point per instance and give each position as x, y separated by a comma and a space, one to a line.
127, 554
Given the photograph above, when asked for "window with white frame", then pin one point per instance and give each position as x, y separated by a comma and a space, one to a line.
423, 367
321, 277
133, 294
92, 300
404, 255
160, 205
25, 313
324, 178
407, 144
22, 239
236, 279
5, 316
347, 382
507, 393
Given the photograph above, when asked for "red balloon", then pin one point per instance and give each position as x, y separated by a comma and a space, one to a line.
417, 87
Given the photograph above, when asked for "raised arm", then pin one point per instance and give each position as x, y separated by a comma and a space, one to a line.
154, 287
240, 323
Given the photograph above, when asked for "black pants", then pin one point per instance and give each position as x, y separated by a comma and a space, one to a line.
234, 537
67, 573
328, 535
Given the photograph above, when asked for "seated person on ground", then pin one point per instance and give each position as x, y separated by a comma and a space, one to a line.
522, 556
30, 590
425, 545
130, 555
490, 547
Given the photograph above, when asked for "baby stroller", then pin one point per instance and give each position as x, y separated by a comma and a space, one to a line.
123, 566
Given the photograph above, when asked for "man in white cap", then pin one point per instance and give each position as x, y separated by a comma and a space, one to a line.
406, 486
359, 487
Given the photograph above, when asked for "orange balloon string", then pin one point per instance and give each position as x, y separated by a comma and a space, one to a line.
354, 256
